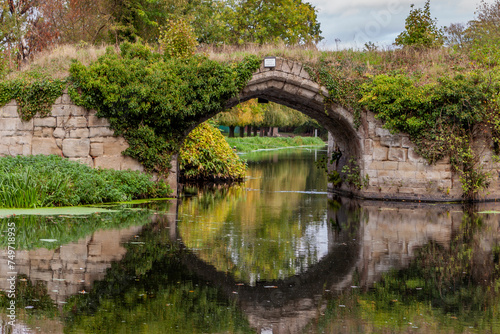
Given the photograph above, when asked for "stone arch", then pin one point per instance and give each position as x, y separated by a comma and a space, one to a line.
290, 84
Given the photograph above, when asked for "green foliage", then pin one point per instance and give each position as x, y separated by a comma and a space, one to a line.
291, 21
421, 30
205, 155
40, 181
249, 144
154, 290
440, 117
341, 89
32, 94
177, 39
351, 175
155, 100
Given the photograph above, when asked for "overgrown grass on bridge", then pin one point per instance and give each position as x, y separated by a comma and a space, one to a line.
42, 181
248, 144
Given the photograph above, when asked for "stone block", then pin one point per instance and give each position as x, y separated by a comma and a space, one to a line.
291, 89
45, 146
406, 166
71, 122
406, 142
9, 124
73, 252
4, 150
7, 133
37, 275
9, 111
368, 149
95, 121
59, 133
94, 249
390, 141
47, 132
96, 149
397, 154
78, 111
414, 157
113, 162
38, 132
73, 148
380, 153
114, 146
49, 122
79, 133
102, 131
381, 132
66, 99
130, 163
60, 110
428, 175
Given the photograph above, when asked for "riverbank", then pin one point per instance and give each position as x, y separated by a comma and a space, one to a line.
44, 181
249, 144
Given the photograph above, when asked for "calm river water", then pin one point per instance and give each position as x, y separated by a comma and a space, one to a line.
276, 254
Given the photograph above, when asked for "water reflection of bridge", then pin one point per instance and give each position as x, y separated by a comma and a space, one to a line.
367, 240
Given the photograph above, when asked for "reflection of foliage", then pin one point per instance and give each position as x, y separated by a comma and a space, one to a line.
442, 290
31, 295
151, 291
65, 229
255, 234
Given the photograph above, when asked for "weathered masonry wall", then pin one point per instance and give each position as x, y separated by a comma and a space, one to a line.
396, 171
69, 131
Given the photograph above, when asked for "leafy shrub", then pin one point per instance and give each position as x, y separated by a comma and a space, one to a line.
420, 29
40, 181
153, 100
178, 39
206, 155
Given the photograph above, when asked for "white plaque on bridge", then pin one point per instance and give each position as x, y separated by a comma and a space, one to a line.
270, 62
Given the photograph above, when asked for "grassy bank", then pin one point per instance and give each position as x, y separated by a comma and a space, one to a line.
42, 181
248, 144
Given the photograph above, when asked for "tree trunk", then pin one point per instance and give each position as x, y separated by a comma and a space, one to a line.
249, 131
242, 131
231, 131
255, 131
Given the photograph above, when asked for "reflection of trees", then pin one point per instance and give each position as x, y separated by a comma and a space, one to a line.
446, 288
150, 291
64, 229
259, 233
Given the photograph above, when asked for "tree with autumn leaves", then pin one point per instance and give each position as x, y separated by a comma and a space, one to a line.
29, 26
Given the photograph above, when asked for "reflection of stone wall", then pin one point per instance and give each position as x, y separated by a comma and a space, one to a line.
73, 267
69, 131
392, 235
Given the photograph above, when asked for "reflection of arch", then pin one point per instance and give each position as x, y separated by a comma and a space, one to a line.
291, 302
290, 84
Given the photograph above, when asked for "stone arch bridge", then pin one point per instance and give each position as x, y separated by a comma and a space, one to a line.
388, 162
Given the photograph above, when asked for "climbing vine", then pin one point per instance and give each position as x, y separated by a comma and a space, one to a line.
154, 100
443, 117
33, 95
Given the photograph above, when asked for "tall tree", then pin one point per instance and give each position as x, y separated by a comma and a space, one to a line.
421, 30
15, 20
260, 21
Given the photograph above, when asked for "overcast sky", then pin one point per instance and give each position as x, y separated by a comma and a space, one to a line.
355, 22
